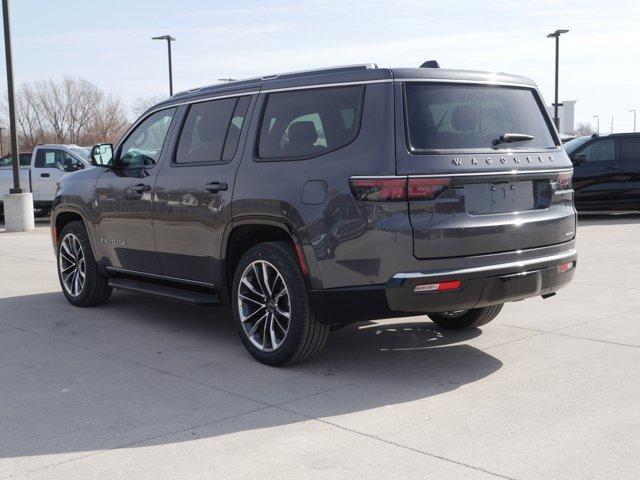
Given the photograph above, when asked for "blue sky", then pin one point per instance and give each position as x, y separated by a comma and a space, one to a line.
107, 42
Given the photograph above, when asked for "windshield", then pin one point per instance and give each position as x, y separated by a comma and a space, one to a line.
455, 117
572, 145
81, 152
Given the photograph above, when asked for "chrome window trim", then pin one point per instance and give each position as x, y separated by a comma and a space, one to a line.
327, 85
569, 254
466, 174
160, 277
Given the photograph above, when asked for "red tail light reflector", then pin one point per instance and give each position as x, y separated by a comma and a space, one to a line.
379, 189
427, 188
566, 266
438, 287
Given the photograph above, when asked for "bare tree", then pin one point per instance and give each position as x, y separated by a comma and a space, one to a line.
68, 111
109, 121
142, 104
584, 129
29, 120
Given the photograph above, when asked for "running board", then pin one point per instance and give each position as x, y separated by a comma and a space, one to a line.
199, 298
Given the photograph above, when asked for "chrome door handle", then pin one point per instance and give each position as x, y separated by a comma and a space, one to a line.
215, 187
141, 188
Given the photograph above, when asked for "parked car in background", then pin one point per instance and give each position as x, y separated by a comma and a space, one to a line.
606, 171
314, 199
41, 170
565, 138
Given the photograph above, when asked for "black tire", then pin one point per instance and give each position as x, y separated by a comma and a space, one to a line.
474, 318
305, 336
96, 289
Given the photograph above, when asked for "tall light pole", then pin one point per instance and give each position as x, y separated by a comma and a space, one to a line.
597, 117
169, 39
611, 123
18, 205
11, 97
634, 119
556, 35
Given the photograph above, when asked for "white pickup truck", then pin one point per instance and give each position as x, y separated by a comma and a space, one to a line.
41, 170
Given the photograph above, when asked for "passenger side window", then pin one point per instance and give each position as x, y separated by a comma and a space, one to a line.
600, 151
211, 131
630, 148
308, 123
143, 147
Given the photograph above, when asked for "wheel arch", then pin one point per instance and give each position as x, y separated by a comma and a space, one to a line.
246, 232
62, 216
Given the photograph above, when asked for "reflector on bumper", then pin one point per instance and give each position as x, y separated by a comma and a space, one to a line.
438, 287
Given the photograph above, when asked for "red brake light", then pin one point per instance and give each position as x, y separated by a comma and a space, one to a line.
379, 189
564, 179
427, 188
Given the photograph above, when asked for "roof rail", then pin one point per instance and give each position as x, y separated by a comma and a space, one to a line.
319, 71
301, 73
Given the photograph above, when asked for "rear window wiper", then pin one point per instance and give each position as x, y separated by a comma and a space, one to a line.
512, 137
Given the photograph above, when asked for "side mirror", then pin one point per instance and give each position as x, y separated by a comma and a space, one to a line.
579, 158
102, 155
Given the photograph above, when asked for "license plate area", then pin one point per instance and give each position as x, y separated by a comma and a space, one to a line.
502, 197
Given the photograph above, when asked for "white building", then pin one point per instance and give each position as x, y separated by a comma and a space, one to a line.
566, 113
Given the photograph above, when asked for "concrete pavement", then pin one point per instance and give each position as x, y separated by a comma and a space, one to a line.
148, 388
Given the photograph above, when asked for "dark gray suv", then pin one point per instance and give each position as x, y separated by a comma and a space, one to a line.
314, 199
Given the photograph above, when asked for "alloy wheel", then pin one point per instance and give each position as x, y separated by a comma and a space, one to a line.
72, 265
264, 305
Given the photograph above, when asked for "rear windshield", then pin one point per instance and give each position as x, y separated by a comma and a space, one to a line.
455, 117
572, 145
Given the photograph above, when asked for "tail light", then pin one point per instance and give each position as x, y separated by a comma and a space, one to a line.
379, 189
396, 189
564, 179
427, 188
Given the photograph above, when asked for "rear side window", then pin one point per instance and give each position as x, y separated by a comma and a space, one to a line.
212, 130
603, 150
630, 148
7, 161
454, 117
308, 123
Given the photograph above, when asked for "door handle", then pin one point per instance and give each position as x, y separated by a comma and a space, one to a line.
45, 175
613, 167
215, 187
141, 188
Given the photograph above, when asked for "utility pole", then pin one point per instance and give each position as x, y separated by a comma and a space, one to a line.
169, 39
611, 123
597, 117
634, 119
18, 205
1, 146
556, 104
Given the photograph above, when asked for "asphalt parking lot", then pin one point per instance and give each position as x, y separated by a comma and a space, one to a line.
149, 388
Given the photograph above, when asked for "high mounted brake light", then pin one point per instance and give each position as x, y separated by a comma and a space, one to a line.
395, 189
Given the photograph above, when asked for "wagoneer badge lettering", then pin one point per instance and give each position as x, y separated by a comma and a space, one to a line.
459, 162
113, 243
